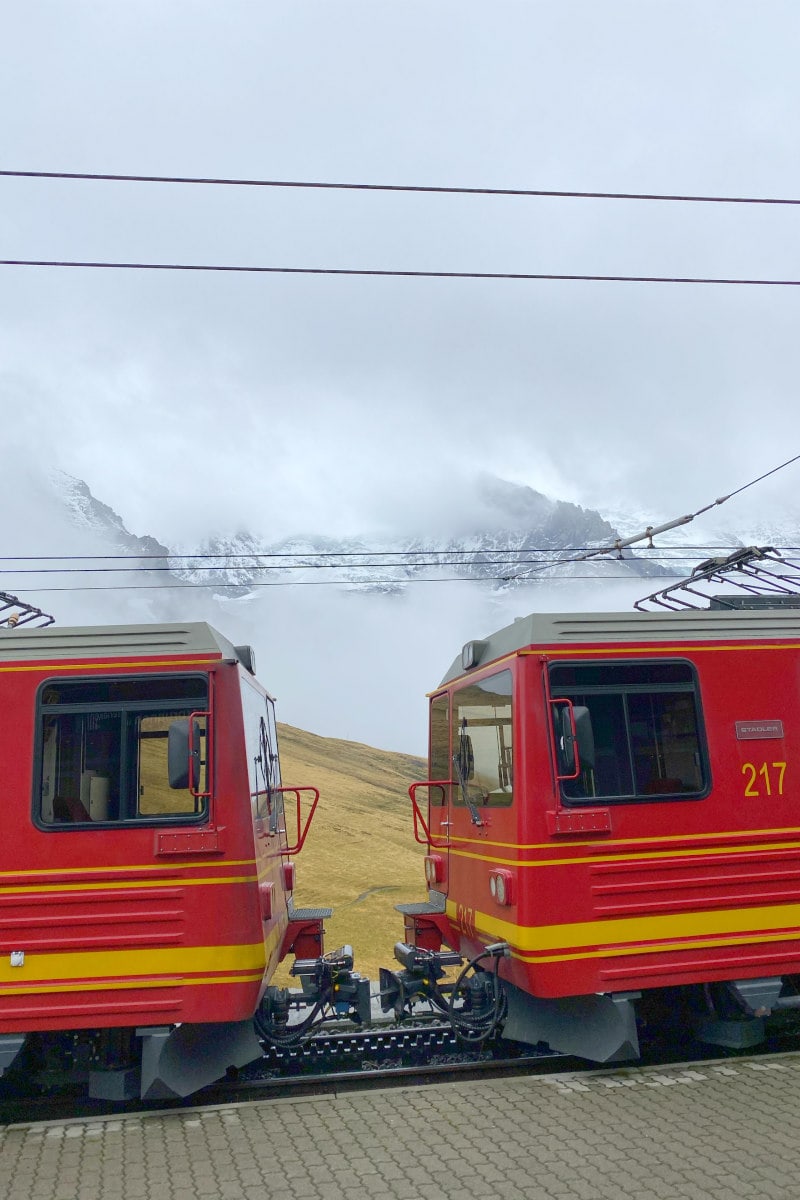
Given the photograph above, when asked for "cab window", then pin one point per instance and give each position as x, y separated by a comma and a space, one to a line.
646, 727
102, 751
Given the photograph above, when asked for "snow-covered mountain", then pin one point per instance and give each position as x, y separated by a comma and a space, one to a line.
517, 536
349, 660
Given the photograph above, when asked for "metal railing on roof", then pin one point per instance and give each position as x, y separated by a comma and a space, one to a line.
15, 612
753, 576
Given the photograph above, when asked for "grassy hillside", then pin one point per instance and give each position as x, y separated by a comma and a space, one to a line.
360, 857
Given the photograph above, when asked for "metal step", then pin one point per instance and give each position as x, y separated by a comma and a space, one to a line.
426, 908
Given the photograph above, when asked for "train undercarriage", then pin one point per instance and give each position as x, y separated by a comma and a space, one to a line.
168, 1062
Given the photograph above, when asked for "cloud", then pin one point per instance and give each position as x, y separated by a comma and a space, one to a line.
200, 404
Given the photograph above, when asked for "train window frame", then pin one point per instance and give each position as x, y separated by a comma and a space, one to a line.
440, 763
463, 793
263, 753
130, 712
634, 745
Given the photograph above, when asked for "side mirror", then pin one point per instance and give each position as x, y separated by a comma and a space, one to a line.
584, 735
565, 742
183, 767
574, 745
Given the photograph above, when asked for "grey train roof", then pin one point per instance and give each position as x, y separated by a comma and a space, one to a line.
573, 628
117, 641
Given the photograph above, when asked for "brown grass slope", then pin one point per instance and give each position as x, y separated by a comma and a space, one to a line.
360, 857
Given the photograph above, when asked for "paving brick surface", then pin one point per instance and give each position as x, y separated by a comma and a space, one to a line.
718, 1130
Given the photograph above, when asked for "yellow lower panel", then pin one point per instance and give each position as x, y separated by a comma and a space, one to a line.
122, 965
635, 934
116, 985
751, 939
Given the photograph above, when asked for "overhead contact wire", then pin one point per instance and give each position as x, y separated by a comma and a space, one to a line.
386, 273
431, 189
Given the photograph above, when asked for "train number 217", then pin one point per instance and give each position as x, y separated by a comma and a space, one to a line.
465, 918
768, 776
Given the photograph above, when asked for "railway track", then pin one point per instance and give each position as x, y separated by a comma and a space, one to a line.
400, 1056
341, 1061
334, 1061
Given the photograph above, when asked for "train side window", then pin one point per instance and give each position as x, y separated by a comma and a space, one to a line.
261, 742
647, 727
102, 751
482, 742
439, 765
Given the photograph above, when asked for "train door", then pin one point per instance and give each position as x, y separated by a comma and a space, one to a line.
439, 789
261, 742
480, 798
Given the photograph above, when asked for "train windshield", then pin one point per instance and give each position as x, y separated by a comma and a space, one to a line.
481, 742
102, 753
648, 738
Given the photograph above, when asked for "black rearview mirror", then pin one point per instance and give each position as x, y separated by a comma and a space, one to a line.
183, 767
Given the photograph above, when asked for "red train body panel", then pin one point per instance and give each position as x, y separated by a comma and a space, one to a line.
622, 807
127, 904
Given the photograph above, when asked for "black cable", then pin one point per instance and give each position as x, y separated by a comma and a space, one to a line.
650, 532
745, 486
551, 277
541, 562
89, 176
152, 587
272, 554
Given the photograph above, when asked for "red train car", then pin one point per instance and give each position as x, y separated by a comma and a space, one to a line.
614, 807
145, 873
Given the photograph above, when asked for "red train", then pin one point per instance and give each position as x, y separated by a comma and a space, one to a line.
145, 873
612, 823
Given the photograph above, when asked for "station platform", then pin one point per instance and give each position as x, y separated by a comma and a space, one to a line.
711, 1130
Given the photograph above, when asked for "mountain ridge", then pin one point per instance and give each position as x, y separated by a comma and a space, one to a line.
524, 537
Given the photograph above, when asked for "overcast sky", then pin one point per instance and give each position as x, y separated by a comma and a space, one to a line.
199, 403
195, 403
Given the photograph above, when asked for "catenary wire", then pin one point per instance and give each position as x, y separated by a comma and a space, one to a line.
360, 583
623, 543
546, 560
247, 554
538, 566
357, 583
435, 189
386, 273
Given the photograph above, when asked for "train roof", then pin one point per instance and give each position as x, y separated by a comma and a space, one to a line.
117, 641
554, 629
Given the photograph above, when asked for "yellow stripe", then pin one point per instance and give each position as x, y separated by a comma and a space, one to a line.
614, 649
611, 650
123, 884
200, 864
617, 931
121, 985
593, 860
750, 940
653, 840
134, 660
43, 967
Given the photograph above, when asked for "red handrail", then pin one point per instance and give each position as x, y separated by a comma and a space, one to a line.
301, 835
419, 818
206, 715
